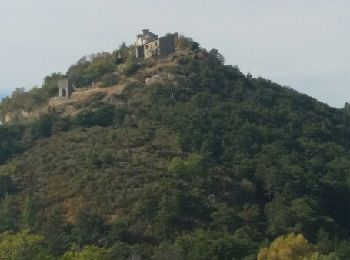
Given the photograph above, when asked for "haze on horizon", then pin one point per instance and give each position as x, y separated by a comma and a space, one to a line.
302, 44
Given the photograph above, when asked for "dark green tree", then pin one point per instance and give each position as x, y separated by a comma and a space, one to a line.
29, 213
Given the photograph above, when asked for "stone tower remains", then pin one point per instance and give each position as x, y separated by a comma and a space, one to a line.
149, 45
65, 88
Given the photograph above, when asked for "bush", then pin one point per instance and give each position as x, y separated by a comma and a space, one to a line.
104, 115
85, 118
6, 186
101, 116
21, 246
131, 65
88, 253
109, 79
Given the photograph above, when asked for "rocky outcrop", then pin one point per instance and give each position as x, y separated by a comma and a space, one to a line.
160, 78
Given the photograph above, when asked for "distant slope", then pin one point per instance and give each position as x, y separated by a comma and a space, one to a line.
78, 170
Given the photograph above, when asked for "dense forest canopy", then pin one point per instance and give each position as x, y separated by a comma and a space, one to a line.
214, 165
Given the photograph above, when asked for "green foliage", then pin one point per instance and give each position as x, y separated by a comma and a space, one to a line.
131, 65
56, 231
88, 253
48, 124
10, 141
210, 245
167, 251
184, 43
212, 165
85, 118
92, 68
51, 84
6, 185
109, 79
292, 246
103, 116
88, 228
42, 127
347, 108
8, 214
22, 245
29, 213
299, 215
28, 100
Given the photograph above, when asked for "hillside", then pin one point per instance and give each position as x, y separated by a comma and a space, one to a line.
175, 158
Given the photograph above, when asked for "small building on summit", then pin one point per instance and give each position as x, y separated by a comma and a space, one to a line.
149, 45
65, 88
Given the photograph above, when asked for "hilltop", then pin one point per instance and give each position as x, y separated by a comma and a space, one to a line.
174, 157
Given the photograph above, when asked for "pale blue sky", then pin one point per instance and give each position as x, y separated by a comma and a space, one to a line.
299, 43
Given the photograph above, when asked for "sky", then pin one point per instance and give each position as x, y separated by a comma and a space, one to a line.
297, 43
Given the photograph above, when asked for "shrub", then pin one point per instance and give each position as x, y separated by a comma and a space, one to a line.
109, 79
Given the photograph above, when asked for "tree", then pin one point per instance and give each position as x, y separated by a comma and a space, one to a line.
85, 118
22, 245
88, 228
131, 65
278, 215
216, 57
101, 116
43, 126
202, 244
167, 251
6, 185
347, 108
29, 213
56, 232
184, 43
104, 115
7, 214
292, 246
10, 144
88, 253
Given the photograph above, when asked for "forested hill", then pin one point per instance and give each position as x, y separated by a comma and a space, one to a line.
202, 163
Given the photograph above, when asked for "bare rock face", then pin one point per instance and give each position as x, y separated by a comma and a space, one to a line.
21, 115
9, 118
160, 78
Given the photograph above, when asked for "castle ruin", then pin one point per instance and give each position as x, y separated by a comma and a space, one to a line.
149, 45
65, 88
